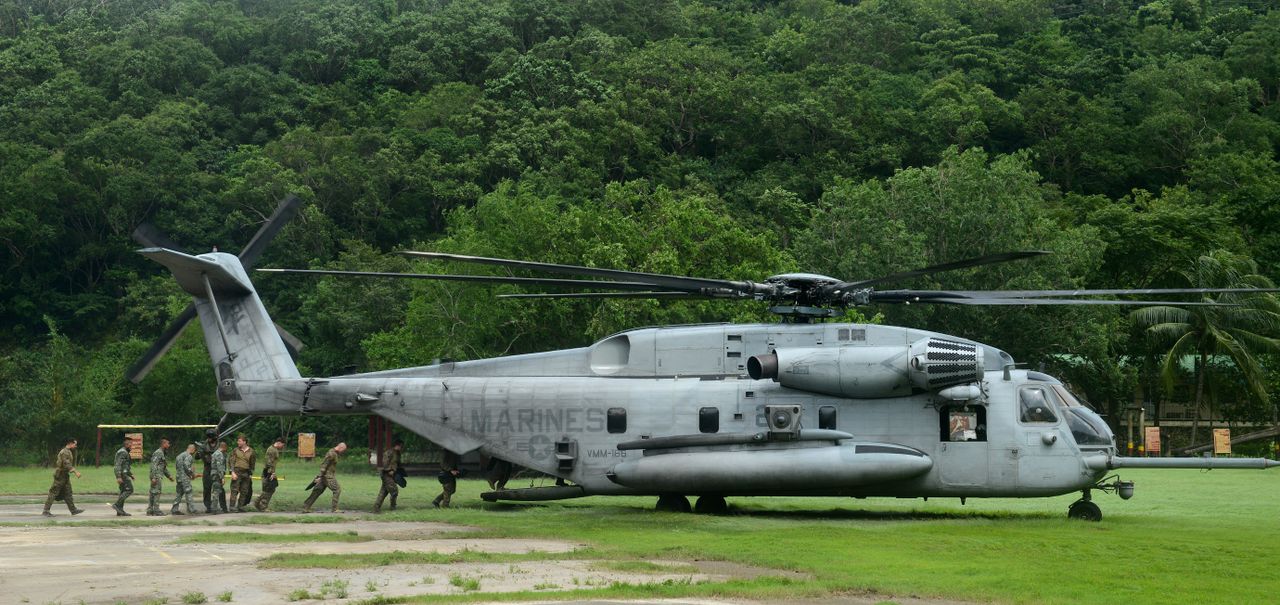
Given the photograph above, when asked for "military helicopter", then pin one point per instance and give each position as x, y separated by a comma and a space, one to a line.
797, 408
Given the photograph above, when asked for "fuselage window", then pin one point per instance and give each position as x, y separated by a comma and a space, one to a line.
827, 417
616, 420
963, 423
1036, 405
709, 420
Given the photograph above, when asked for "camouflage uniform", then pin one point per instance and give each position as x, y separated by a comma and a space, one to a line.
124, 474
217, 468
204, 452
325, 479
448, 485
159, 471
183, 469
242, 464
390, 464
61, 489
268, 473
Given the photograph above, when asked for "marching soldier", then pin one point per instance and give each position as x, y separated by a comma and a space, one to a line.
205, 453
390, 466
269, 481
243, 461
218, 468
159, 470
448, 480
327, 479
124, 476
62, 471
183, 469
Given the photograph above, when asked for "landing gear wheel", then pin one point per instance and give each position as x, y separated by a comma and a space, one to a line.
1084, 510
711, 505
672, 503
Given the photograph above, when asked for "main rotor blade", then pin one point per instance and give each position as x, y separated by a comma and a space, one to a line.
285, 211
144, 365
989, 259
679, 295
496, 279
1053, 301
674, 282
1067, 293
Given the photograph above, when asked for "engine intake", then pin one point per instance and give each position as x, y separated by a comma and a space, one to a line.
870, 372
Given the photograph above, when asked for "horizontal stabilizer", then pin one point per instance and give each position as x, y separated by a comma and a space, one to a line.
191, 270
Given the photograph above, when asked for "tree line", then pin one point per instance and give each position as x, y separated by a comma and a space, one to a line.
718, 138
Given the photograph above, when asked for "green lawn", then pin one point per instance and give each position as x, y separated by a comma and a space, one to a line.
1186, 536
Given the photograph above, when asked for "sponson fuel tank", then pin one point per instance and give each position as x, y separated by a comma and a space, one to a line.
870, 372
772, 470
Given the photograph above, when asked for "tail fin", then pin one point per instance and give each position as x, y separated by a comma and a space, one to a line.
243, 342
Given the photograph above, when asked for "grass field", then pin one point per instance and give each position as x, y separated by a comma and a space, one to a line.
1187, 536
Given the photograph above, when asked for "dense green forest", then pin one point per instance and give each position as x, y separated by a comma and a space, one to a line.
720, 138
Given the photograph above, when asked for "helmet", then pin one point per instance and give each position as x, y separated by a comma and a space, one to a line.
211, 433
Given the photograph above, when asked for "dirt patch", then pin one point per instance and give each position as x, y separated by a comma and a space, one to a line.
71, 562
75, 562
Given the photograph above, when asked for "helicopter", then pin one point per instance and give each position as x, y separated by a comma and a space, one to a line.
803, 407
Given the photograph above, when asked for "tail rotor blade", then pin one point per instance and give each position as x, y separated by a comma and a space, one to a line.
285, 211
292, 343
143, 366
150, 236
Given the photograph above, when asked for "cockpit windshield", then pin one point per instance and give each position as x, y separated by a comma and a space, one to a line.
1069, 399
1086, 426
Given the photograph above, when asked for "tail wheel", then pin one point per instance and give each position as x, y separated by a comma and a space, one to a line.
1084, 510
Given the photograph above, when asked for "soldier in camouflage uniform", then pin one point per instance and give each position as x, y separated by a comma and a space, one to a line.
243, 461
159, 470
218, 468
448, 485
124, 476
327, 479
62, 471
390, 465
183, 469
204, 452
269, 476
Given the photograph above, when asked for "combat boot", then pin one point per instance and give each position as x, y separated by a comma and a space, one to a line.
46, 514
76, 511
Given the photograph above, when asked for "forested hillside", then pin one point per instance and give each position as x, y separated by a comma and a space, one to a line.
715, 138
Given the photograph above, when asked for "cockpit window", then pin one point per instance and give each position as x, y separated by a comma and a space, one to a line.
1036, 404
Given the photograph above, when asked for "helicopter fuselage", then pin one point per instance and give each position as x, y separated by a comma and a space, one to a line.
566, 413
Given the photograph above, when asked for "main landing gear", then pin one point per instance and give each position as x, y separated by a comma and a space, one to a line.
671, 503
706, 505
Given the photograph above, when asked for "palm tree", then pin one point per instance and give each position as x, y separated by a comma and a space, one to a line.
1242, 328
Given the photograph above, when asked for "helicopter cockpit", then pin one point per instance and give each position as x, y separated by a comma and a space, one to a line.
1038, 400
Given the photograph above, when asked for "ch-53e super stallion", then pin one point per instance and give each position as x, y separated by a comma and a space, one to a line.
797, 408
